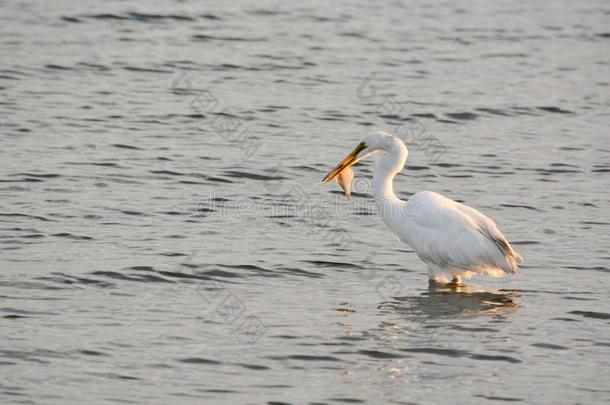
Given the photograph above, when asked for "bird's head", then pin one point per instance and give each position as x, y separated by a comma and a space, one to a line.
370, 143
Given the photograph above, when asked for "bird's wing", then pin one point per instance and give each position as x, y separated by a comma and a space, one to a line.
489, 229
453, 235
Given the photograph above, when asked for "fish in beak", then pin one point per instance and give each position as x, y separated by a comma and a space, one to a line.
342, 171
345, 181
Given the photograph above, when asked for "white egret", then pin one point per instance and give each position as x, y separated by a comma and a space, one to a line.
453, 239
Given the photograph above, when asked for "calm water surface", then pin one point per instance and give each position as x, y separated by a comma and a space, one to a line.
166, 239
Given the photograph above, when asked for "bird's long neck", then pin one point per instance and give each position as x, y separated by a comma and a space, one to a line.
390, 164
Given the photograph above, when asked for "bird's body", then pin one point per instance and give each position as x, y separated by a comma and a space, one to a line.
453, 239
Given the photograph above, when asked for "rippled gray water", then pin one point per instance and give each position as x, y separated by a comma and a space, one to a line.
166, 239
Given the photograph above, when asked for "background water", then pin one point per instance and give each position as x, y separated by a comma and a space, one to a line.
166, 239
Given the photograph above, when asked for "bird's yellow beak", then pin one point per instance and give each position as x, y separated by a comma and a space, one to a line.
349, 160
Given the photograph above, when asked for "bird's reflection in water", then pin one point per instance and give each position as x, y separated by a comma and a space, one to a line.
438, 314
435, 322
441, 313
450, 300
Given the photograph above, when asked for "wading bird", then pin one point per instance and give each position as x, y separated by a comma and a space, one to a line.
453, 239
